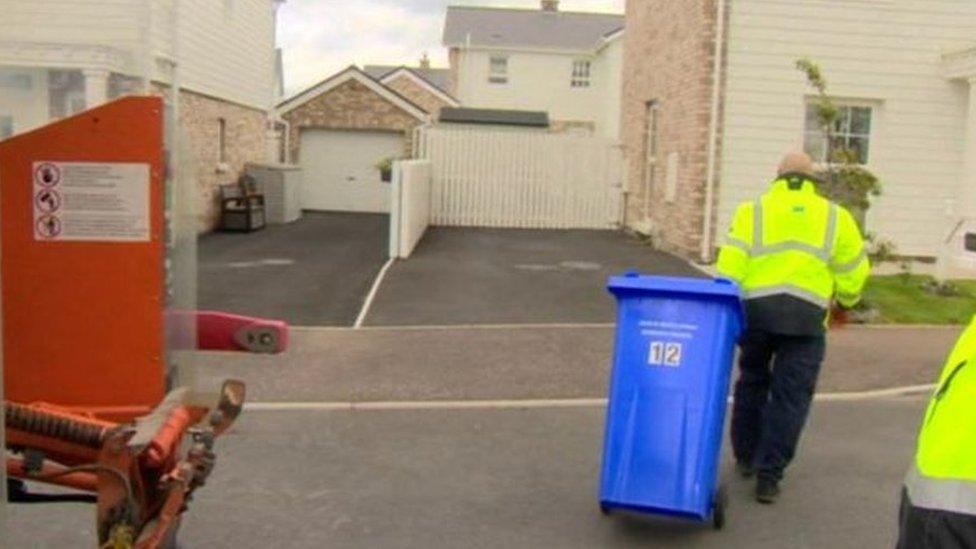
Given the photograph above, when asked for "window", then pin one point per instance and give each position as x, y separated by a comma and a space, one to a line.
222, 140
652, 125
581, 74
852, 131
498, 70
6, 126
15, 80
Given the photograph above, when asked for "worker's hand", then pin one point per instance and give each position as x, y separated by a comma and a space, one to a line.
839, 316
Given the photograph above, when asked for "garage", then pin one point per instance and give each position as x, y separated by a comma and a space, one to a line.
340, 169
339, 130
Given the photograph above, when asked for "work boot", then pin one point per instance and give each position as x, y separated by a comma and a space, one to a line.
745, 469
767, 491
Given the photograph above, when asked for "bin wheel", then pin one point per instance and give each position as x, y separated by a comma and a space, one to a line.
604, 510
721, 503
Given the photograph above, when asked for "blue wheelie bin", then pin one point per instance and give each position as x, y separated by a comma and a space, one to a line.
675, 344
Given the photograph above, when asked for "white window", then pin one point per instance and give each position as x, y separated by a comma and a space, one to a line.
581, 74
222, 140
6, 126
498, 69
652, 126
15, 80
852, 131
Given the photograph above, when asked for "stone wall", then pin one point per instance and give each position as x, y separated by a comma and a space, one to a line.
668, 59
416, 93
349, 106
245, 142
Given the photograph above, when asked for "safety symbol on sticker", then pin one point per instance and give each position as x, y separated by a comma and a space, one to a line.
47, 175
48, 226
48, 200
665, 354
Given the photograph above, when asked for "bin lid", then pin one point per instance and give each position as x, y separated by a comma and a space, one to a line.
634, 282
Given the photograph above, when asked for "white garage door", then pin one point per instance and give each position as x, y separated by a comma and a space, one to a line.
340, 169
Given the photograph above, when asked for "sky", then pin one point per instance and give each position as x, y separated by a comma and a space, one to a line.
319, 37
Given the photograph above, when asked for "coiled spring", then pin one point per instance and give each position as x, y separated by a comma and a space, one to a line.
39, 422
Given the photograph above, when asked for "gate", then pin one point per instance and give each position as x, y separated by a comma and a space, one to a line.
521, 178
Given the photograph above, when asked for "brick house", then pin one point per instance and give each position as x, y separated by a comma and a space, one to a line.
59, 57
712, 99
340, 130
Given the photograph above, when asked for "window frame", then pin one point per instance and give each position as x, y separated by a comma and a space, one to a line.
497, 77
6, 126
651, 152
845, 132
221, 140
582, 73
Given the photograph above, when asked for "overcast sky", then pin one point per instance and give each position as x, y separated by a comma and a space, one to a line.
320, 37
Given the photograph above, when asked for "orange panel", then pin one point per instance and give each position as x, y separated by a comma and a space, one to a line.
83, 320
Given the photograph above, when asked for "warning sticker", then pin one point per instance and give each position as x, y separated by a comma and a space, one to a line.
87, 201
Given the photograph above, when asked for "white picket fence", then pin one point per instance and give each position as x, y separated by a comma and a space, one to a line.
521, 178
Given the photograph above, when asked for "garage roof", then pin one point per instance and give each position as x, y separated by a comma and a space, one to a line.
461, 115
353, 73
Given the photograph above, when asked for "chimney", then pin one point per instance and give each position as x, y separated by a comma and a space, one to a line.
425, 61
550, 5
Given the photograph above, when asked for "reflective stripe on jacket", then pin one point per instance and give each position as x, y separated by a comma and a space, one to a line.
944, 474
792, 241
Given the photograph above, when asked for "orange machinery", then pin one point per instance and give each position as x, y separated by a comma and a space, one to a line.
90, 323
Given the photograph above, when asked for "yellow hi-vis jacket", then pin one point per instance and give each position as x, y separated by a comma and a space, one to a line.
792, 241
944, 474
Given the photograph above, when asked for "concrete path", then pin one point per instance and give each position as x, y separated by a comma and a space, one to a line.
498, 276
314, 272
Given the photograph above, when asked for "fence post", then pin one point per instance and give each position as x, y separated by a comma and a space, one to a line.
396, 209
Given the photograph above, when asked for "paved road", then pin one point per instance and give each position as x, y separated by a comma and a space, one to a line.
505, 478
314, 272
523, 363
497, 276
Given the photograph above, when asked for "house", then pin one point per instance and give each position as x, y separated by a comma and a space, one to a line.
712, 99
59, 57
340, 130
427, 87
567, 64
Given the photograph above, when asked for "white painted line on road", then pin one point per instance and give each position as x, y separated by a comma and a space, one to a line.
908, 390
372, 294
533, 403
428, 405
437, 327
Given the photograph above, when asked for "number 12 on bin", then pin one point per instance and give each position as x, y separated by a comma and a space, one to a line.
664, 353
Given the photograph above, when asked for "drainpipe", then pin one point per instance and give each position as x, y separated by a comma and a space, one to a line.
711, 175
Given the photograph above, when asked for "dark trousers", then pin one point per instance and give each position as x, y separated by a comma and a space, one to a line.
933, 529
777, 378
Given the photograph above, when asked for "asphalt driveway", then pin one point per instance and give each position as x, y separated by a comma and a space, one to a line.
313, 272
512, 276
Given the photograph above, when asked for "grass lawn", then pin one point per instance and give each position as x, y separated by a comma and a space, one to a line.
902, 300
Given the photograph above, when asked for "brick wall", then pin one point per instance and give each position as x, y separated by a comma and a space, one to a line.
668, 56
417, 95
348, 106
562, 126
245, 141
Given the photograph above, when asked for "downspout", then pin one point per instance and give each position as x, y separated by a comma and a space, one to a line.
712, 169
